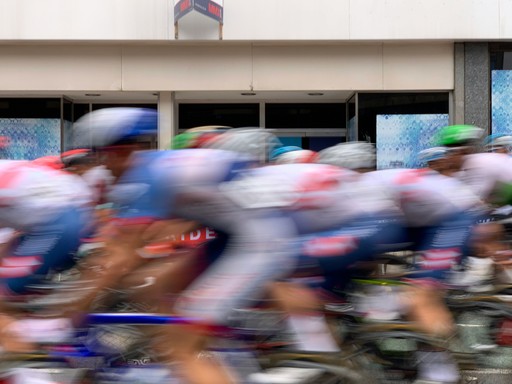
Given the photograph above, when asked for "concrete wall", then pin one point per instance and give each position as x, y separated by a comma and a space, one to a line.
258, 20
227, 67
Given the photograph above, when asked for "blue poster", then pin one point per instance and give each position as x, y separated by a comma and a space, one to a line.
29, 139
501, 99
401, 137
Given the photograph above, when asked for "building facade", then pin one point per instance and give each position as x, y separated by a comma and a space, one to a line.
316, 73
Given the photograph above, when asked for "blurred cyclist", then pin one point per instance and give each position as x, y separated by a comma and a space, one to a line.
489, 175
51, 215
440, 214
498, 143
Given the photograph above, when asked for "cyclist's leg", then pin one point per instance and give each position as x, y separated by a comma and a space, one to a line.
258, 252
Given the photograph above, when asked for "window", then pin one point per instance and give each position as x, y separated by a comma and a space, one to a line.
373, 104
30, 108
231, 115
306, 115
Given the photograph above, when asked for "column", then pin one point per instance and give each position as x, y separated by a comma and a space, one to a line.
167, 128
457, 108
477, 87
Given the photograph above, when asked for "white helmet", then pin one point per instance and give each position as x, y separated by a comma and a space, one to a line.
297, 157
352, 155
257, 142
498, 141
431, 154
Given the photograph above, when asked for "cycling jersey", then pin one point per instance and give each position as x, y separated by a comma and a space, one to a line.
425, 196
482, 172
32, 195
50, 210
440, 212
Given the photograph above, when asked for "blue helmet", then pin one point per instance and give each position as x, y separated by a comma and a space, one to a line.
109, 126
282, 150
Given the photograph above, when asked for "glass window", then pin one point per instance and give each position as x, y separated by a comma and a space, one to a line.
372, 104
501, 56
79, 110
231, 115
319, 143
305, 115
103, 106
30, 108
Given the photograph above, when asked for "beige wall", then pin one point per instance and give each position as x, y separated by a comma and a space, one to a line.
227, 67
258, 20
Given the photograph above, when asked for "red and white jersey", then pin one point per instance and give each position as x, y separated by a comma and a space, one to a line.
483, 171
424, 196
320, 196
31, 194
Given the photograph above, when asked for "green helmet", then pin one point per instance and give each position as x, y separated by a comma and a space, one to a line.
183, 140
196, 137
453, 135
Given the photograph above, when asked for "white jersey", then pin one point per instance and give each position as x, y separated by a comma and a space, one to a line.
424, 196
320, 196
32, 194
482, 172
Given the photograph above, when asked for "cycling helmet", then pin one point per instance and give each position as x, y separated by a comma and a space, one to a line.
282, 150
111, 126
459, 135
297, 157
53, 162
432, 154
257, 142
498, 141
353, 155
75, 156
194, 139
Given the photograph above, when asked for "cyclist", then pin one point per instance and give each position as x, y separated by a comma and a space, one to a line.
435, 159
262, 210
51, 216
488, 174
498, 143
440, 214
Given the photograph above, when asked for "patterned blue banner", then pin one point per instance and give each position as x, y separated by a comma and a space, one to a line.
501, 98
401, 137
29, 139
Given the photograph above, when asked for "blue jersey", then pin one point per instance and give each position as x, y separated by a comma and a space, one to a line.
153, 187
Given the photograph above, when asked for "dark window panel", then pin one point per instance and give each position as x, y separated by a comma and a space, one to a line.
30, 108
103, 106
319, 143
373, 104
80, 110
305, 115
231, 115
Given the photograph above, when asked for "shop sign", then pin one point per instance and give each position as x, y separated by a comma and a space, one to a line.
211, 8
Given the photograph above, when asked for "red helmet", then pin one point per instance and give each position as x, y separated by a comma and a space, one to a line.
53, 162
